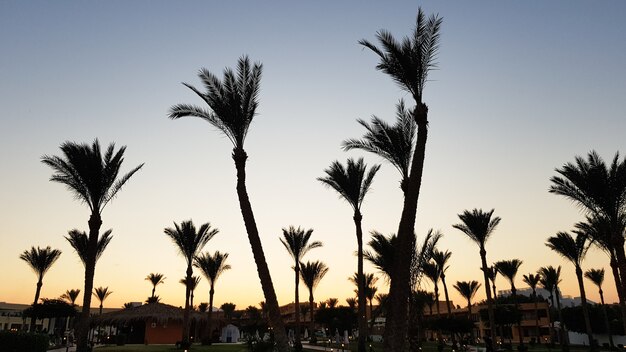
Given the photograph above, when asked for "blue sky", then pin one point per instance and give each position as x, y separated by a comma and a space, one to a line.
522, 88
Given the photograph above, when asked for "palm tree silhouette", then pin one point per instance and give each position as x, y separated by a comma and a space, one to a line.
296, 242
192, 284
550, 280
93, 178
370, 291
40, 260
352, 182
80, 242
574, 250
155, 279
532, 280
441, 260
233, 102
492, 274
478, 226
381, 255
189, 242
431, 271
70, 296
509, 269
468, 289
408, 63
101, 293
597, 277
212, 266
600, 190
311, 274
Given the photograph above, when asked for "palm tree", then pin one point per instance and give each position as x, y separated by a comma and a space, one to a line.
311, 274
232, 103
370, 290
101, 293
408, 63
93, 178
509, 269
441, 260
352, 182
80, 242
191, 284
153, 299
228, 309
128, 305
532, 280
70, 296
468, 289
189, 242
601, 191
492, 274
431, 271
332, 302
40, 260
155, 279
478, 226
212, 266
382, 252
597, 277
574, 250
550, 280
351, 301
296, 242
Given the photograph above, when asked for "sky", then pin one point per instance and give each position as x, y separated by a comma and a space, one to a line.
521, 89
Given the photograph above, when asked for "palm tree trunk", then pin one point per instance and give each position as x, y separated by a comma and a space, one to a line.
583, 299
551, 318
153, 289
312, 322
564, 338
445, 291
469, 317
519, 321
492, 320
185, 337
37, 293
536, 316
275, 319
298, 342
437, 300
397, 315
82, 328
210, 315
620, 257
362, 320
606, 320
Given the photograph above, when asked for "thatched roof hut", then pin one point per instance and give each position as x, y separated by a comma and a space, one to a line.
153, 311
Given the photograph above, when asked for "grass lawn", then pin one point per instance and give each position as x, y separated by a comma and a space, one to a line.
171, 348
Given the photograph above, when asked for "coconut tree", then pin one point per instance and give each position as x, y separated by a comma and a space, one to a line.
189, 242
532, 280
574, 250
408, 63
597, 277
431, 271
311, 274
600, 190
212, 266
93, 179
441, 260
101, 293
550, 280
509, 269
191, 284
232, 103
468, 289
352, 182
297, 242
70, 296
478, 225
155, 279
40, 260
80, 242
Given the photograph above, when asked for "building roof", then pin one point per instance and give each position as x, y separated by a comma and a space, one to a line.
158, 311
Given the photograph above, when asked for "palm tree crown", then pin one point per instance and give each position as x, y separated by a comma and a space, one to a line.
508, 269
188, 240
312, 273
71, 295
382, 252
467, 289
102, 293
570, 248
596, 276
212, 266
155, 279
296, 242
351, 182
232, 101
40, 259
478, 225
532, 280
80, 242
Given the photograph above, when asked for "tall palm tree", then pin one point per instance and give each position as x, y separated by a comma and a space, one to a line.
550, 280
431, 271
478, 225
352, 182
408, 62
191, 284
40, 260
509, 269
232, 105
574, 250
311, 274
441, 260
468, 290
600, 190
532, 280
492, 274
189, 243
212, 266
80, 242
70, 296
297, 243
597, 277
101, 293
155, 279
93, 178
370, 290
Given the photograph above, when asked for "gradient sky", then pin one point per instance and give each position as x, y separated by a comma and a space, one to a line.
522, 88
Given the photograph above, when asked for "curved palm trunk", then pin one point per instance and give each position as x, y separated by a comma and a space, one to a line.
312, 322
185, 337
620, 257
275, 319
564, 339
298, 342
607, 326
153, 290
583, 299
400, 288
362, 320
37, 293
519, 321
616, 278
210, 315
445, 291
492, 320
82, 328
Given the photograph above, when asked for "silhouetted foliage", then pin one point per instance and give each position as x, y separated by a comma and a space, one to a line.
50, 308
571, 317
337, 318
18, 341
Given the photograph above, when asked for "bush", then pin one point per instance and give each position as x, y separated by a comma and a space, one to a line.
23, 341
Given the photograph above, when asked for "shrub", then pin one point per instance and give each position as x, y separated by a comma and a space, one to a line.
23, 341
